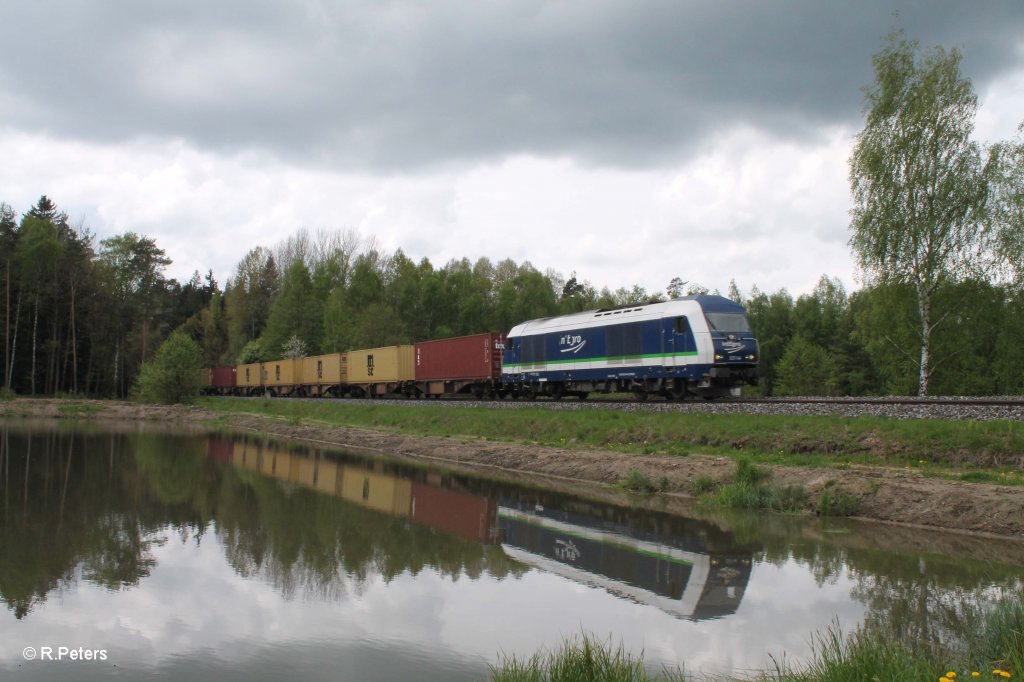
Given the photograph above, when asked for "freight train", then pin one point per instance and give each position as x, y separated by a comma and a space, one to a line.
691, 346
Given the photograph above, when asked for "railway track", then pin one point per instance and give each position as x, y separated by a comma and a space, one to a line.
894, 407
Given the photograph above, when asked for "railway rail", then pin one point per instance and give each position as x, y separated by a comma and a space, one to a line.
895, 407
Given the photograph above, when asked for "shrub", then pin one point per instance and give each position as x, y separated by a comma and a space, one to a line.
174, 375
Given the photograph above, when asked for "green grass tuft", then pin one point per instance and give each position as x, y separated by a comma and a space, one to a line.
836, 502
638, 482
579, 659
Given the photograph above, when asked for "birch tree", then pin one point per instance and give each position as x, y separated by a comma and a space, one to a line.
917, 181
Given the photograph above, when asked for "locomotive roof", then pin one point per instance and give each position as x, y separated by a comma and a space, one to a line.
683, 305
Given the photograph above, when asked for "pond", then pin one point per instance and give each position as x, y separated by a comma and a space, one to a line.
163, 555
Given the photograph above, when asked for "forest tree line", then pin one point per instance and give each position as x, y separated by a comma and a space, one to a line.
80, 317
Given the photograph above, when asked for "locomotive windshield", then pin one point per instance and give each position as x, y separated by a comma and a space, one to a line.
728, 323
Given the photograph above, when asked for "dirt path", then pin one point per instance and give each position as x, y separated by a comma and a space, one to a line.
883, 494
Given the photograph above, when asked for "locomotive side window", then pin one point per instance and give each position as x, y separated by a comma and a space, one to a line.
625, 339
682, 325
533, 349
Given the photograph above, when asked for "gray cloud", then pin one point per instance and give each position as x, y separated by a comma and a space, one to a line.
405, 85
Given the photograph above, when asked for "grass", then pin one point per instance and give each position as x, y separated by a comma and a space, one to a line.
750, 489
934, 447
72, 409
836, 502
7, 394
996, 653
578, 659
638, 482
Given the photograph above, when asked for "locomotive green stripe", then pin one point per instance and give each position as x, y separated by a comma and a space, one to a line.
652, 356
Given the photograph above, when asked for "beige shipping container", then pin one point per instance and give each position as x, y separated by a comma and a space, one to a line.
246, 455
324, 369
382, 492
282, 372
390, 364
327, 473
304, 472
250, 375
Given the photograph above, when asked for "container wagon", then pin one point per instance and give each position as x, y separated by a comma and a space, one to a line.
468, 516
249, 378
379, 491
377, 372
283, 377
464, 364
220, 381
325, 375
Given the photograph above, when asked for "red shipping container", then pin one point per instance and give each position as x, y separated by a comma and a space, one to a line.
476, 357
457, 513
222, 377
220, 449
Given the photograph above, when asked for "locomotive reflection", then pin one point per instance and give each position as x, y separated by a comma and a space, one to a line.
667, 571
684, 567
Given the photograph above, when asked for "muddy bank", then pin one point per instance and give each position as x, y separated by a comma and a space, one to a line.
882, 494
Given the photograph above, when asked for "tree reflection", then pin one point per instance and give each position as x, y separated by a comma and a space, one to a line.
81, 506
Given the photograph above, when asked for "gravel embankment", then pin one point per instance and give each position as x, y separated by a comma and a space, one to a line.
950, 408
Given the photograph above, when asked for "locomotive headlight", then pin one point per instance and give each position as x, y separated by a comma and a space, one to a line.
751, 357
719, 356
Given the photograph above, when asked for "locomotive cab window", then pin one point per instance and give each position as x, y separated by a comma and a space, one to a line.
735, 323
682, 325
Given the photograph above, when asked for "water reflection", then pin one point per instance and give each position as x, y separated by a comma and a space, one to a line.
170, 548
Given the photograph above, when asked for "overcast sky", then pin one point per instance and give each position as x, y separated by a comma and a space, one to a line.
631, 142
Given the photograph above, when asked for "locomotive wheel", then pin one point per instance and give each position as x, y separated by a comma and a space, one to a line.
640, 394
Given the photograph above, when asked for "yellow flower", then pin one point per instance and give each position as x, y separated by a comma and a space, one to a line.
1004, 673
950, 674
975, 674
945, 679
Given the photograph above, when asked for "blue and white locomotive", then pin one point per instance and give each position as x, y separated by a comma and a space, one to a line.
690, 346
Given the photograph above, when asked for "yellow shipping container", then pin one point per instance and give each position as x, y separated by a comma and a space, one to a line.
304, 471
327, 476
250, 375
324, 369
277, 462
377, 491
282, 372
246, 455
390, 364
